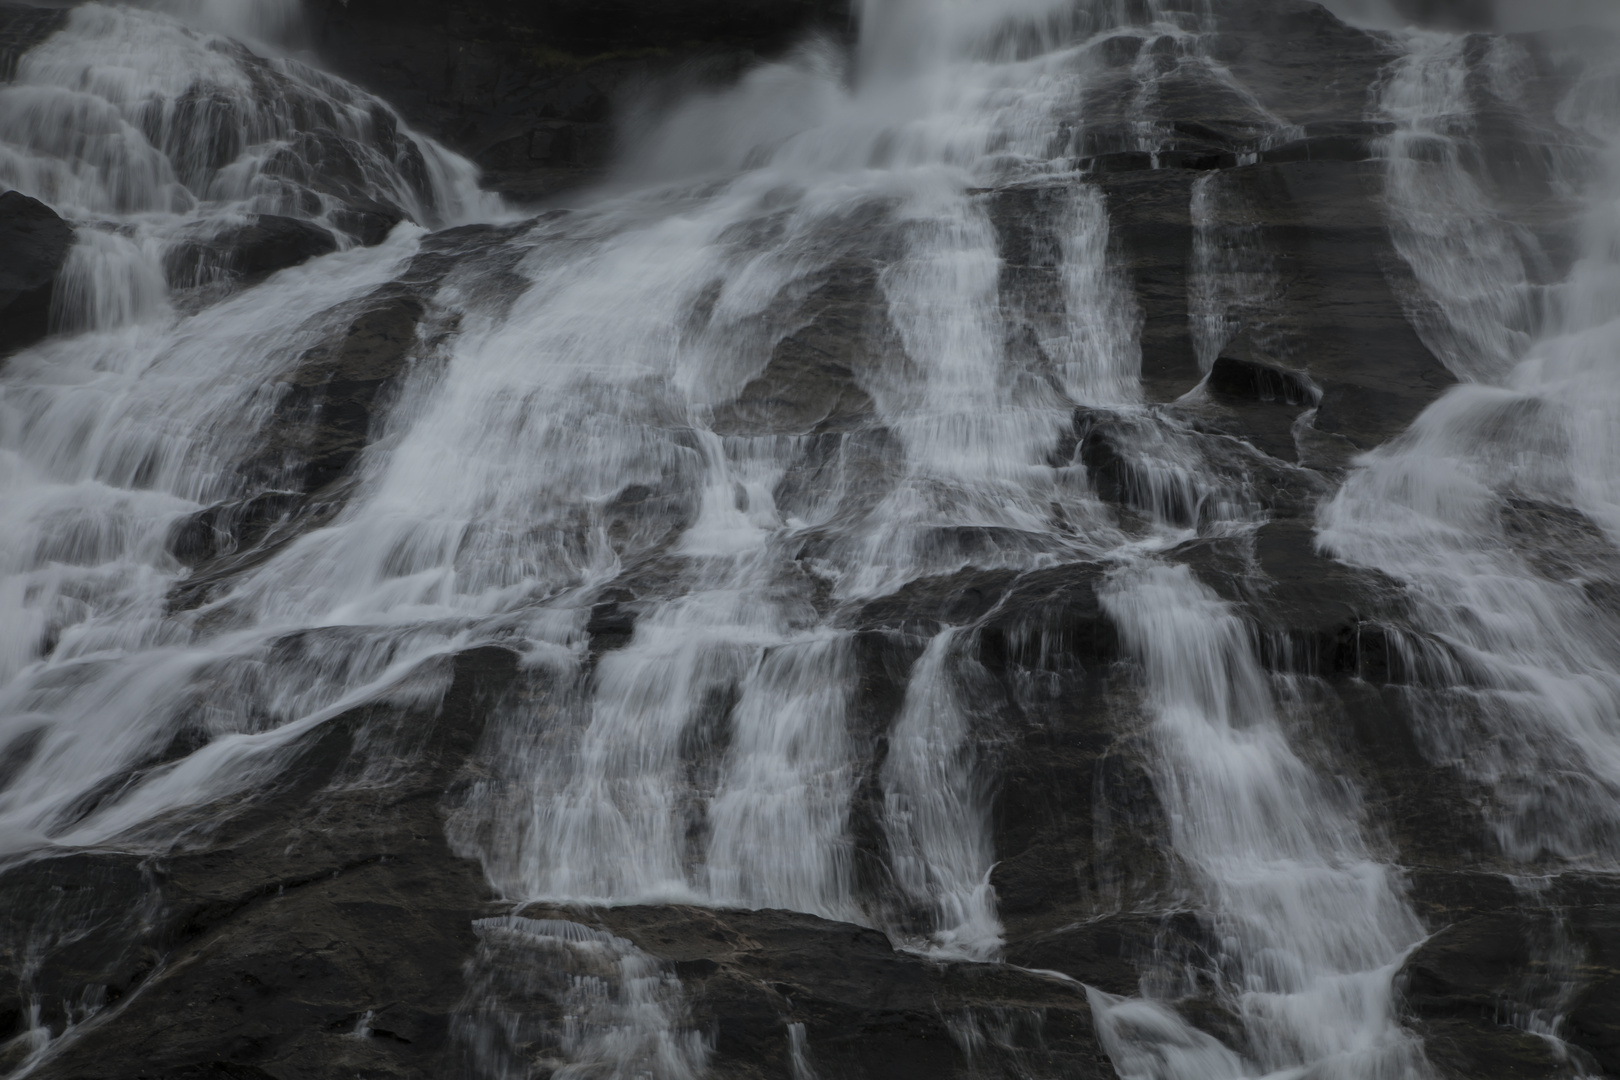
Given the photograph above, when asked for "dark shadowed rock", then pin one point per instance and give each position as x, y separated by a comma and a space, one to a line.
1150, 221
316, 929
367, 220
1239, 372
34, 244
268, 243
21, 28
1510, 956
327, 410
867, 1010
274, 243
529, 91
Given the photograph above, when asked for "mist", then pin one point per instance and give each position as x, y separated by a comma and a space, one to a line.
1510, 16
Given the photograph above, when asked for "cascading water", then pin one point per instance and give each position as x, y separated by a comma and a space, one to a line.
1518, 651
1311, 926
1513, 659
590, 453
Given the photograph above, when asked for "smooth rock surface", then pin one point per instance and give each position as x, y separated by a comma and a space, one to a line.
34, 244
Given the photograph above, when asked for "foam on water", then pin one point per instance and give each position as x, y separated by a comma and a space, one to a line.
1311, 927
148, 134
1519, 663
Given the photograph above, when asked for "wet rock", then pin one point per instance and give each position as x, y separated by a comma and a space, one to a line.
248, 252
1462, 983
34, 244
1078, 828
811, 383
333, 389
927, 604
1326, 618
1592, 1023
867, 1010
1261, 401
1109, 952
529, 93
1239, 373
321, 424
274, 243
611, 624
226, 528
1512, 958
1560, 542
1338, 317
21, 28
1282, 49
367, 220
316, 927
72, 941
1149, 219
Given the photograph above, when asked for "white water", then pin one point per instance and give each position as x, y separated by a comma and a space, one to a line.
936, 816
1519, 666
1516, 660
1468, 260
1310, 926
621, 1013
566, 448
146, 133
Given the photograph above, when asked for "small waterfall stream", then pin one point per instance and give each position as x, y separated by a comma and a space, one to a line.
562, 448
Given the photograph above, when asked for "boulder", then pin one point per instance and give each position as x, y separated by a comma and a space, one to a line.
34, 245
248, 252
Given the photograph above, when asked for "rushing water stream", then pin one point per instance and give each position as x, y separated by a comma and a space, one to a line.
563, 438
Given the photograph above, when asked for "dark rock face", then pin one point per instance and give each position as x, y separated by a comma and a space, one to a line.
316, 929
528, 91
248, 252
21, 28
1249, 378
34, 244
1506, 960
864, 1009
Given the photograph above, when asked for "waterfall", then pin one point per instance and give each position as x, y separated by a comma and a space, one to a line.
1515, 648
847, 331
1311, 924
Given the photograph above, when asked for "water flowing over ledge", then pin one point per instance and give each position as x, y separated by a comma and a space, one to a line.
946, 548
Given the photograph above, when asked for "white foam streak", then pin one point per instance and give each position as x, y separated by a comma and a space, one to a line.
1518, 666
936, 811
1467, 259
1311, 927
622, 1016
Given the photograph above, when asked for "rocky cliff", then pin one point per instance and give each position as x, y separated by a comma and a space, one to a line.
346, 912
531, 91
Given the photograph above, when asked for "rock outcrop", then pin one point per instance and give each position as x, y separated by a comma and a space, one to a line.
34, 245
530, 92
